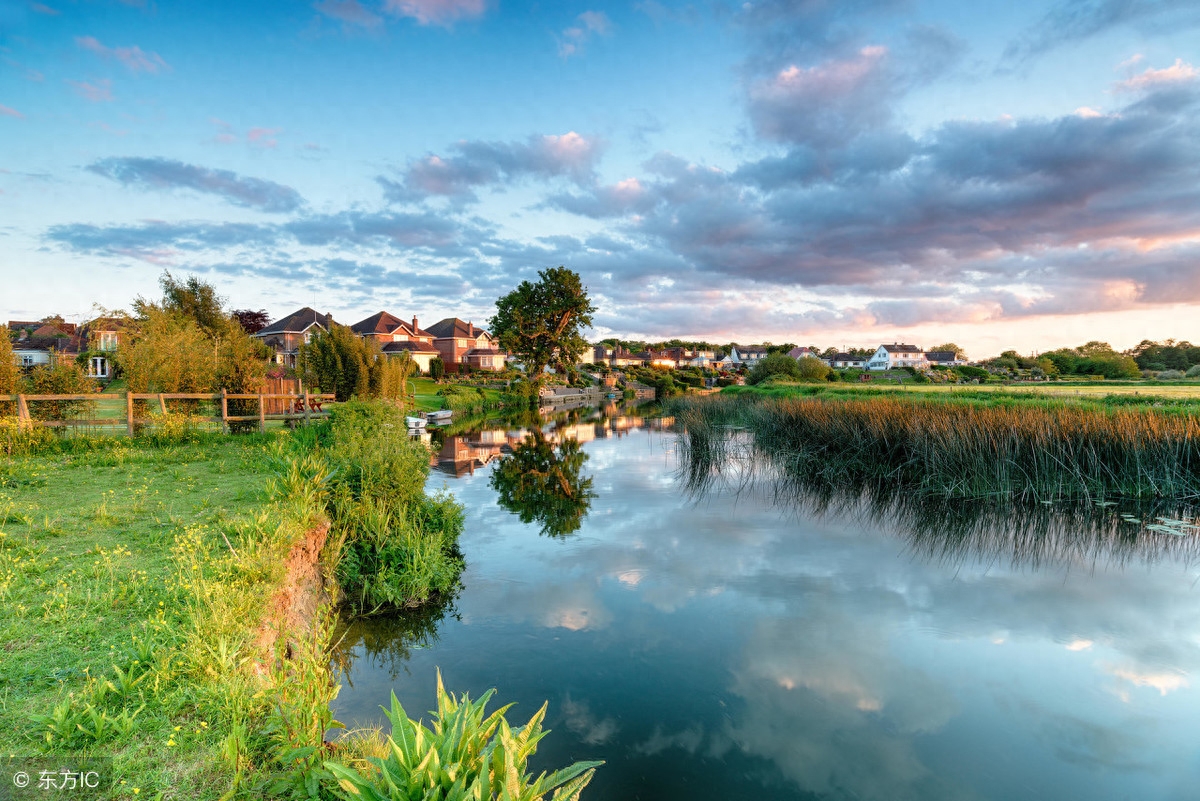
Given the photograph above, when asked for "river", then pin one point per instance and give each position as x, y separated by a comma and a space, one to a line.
723, 645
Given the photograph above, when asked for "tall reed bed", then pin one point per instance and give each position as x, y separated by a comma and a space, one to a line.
1032, 452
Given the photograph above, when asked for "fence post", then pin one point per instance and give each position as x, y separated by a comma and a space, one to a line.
129, 412
23, 417
262, 414
162, 404
306, 409
224, 410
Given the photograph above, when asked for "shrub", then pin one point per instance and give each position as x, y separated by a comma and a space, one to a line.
63, 378
399, 547
1193, 371
437, 368
1170, 375
775, 364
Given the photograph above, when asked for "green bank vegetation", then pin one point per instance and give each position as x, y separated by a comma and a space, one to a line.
144, 584
963, 446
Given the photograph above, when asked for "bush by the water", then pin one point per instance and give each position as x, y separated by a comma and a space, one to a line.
399, 547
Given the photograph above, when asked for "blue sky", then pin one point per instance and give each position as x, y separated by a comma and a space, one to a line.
996, 174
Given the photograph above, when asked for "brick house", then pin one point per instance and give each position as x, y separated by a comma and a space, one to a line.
285, 336
462, 343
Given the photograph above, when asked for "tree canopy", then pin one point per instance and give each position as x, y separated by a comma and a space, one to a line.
541, 323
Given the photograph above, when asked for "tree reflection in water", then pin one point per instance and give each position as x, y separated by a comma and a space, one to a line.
387, 641
542, 483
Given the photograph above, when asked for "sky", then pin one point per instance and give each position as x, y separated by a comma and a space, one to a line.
830, 172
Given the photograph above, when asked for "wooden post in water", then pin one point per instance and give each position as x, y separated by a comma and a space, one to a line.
262, 414
224, 411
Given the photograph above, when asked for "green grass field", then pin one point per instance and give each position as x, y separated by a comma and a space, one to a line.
92, 552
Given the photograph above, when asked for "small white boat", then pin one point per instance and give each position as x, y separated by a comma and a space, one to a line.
415, 422
440, 416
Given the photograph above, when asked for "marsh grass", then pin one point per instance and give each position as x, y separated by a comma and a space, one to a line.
720, 451
1030, 452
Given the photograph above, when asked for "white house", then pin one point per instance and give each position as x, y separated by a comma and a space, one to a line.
945, 358
750, 355
846, 360
889, 357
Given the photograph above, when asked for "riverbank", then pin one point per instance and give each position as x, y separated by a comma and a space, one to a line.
964, 446
174, 603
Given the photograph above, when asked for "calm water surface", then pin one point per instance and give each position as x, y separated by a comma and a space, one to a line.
725, 647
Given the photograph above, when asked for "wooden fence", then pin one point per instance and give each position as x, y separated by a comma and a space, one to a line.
304, 406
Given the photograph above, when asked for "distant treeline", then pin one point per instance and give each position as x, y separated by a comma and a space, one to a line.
1093, 358
1099, 359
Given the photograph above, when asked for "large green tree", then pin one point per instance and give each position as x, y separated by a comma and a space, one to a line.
541, 323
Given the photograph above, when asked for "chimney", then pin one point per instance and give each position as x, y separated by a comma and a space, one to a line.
328, 322
470, 329
414, 324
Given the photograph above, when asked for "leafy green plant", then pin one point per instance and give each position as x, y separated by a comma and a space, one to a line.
465, 755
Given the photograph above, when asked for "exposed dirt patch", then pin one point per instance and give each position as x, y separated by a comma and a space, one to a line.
293, 608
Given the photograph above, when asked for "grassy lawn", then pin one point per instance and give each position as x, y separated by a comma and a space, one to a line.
103, 554
426, 389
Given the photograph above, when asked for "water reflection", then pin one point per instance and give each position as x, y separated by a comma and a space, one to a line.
852, 647
542, 482
386, 642
951, 530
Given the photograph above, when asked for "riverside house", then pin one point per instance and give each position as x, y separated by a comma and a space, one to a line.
396, 336
286, 335
461, 344
39, 343
889, 357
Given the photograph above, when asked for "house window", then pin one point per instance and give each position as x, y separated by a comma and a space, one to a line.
98, 367
107, 340
26, 360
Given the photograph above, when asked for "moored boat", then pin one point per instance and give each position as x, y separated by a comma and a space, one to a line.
415, 422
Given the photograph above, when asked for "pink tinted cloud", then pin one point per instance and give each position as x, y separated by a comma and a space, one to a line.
224, 135
349, 12
133, 57
98, 92
825, 104
44, 9
436, 12
1179, 72
5, 111
263, 137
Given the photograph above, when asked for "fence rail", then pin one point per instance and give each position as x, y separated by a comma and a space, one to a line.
306, 406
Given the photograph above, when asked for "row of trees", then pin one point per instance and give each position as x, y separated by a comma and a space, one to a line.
337, 361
